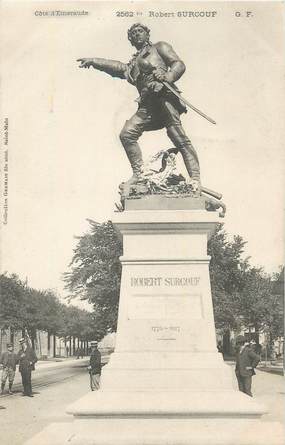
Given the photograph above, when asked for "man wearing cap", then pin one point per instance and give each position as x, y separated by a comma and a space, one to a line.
95, 364
8, 360
246, 361
27, 359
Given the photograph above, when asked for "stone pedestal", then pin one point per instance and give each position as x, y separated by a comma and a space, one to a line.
166, 336
165, 384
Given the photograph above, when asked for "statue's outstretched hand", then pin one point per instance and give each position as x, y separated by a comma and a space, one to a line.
85, 63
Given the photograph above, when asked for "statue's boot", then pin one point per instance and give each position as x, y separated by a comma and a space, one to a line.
136, 162
129, 138
183, 144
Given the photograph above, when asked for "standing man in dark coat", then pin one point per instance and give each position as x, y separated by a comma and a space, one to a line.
27, 359
246, 361
8, 360
95, 364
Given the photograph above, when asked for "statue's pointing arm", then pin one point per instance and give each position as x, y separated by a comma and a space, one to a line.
172, 60
112, 67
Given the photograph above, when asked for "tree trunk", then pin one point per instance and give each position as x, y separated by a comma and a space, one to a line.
271, 346
48, 344
32, 334
54, 345
39, 343
256, 336
12, 335
227, 343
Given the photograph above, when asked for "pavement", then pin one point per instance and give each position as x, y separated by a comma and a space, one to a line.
59, 384
53, 371
49, 373
273, 367
58, 362
268, 389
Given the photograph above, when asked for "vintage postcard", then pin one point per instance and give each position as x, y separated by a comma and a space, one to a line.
78, 119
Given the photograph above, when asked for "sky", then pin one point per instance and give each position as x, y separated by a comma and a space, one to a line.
65, 160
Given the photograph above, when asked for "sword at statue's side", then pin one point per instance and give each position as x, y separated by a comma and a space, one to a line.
167, 85
148, 68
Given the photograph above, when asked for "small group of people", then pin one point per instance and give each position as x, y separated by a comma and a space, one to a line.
247, 359
26, 359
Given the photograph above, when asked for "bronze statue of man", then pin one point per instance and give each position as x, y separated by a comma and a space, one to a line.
158, 107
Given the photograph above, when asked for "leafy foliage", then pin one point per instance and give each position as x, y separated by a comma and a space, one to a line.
96, 272
227, 277
259, 305
25, 308
243, 295
12, 302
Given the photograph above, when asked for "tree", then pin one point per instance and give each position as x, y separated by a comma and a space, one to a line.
28, 309
259, 306
227, 277
78, 323
50, 315
12, 302
243, 295
277, 323
96, 272
50, 312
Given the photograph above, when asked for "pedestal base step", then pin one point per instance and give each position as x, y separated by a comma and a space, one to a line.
188, 404
164, 432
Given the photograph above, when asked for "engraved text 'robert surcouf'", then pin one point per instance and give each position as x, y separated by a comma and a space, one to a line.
168, 281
